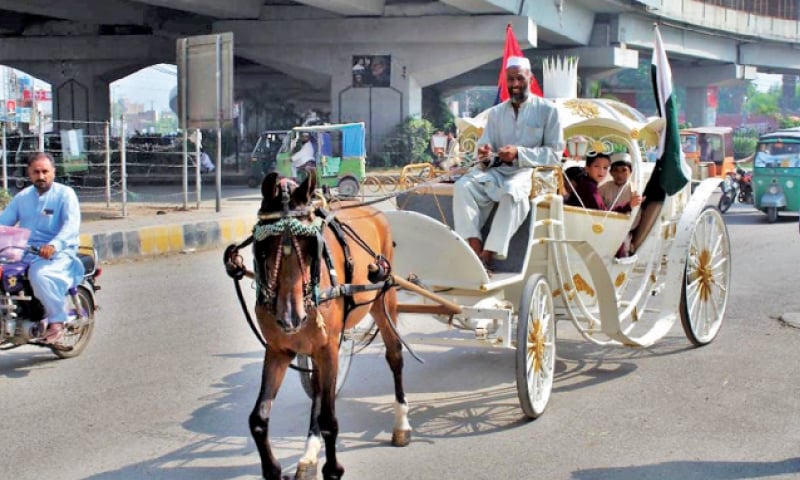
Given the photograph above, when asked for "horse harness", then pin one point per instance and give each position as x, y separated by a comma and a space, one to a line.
287, 225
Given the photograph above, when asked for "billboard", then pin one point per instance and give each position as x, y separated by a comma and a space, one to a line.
201, 61
372, 70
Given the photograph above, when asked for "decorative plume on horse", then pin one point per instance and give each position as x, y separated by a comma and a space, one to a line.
317, 274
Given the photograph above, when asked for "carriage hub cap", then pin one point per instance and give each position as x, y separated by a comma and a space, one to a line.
705, 274
536, 345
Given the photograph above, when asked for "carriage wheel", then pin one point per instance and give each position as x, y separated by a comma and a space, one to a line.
536, 346
345, 357
704, 295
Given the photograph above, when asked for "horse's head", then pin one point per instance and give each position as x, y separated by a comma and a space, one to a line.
286, 250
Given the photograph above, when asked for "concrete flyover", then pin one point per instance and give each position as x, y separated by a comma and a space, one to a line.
305, 48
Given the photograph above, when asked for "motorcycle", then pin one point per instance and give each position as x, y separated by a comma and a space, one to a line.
730, 190
22, 315
745, 180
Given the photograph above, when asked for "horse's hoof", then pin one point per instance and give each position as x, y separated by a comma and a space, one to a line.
401, 438
306, 470
332, 473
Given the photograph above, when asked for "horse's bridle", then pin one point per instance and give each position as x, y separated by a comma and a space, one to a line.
287, 225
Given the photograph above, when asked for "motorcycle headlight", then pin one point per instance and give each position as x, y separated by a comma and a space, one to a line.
773, 190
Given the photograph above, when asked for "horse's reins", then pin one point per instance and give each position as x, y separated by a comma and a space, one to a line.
287, 219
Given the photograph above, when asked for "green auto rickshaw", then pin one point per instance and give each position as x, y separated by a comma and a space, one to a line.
263, 157
337, 152
776, 173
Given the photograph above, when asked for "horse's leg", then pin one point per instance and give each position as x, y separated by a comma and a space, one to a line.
401, 432
275, 365
307, 465
328, 424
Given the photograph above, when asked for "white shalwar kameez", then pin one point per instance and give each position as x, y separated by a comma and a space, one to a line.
536, 132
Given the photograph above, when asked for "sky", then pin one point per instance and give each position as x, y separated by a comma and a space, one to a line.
150, 86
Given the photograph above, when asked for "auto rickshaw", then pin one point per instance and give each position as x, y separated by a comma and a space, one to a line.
709, 151
339, 155
776, 173
262, 160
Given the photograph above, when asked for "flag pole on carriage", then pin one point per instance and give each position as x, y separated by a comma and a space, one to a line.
674, 173
511, 49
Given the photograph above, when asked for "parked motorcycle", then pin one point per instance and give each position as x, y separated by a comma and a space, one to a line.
22, 315
738, 184
745, 180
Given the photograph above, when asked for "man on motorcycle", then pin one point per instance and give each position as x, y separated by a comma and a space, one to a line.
51, 212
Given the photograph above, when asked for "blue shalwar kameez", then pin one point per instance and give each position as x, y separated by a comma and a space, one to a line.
54, 218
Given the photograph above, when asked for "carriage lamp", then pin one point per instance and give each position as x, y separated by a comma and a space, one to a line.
577, 146
439, 143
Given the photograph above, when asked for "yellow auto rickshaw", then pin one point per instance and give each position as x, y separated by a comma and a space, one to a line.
709, 151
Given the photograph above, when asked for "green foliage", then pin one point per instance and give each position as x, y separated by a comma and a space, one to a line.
762, 103
744, 145
5, 197
408, 143
788, 122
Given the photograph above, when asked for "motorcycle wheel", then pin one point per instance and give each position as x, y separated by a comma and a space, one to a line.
77, 337
725, 201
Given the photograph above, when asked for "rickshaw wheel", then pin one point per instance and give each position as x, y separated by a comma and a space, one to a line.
704, 293
536, 346
348, 187
772, 214
345, 357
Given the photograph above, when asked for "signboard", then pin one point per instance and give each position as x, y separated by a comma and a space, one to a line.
202, 100
372, 70
11, 107
24, 114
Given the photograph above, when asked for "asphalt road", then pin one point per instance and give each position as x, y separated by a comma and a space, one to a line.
165, 387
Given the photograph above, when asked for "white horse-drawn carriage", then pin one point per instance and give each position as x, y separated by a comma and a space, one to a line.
562, 263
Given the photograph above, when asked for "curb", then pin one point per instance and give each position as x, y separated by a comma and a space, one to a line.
169, 238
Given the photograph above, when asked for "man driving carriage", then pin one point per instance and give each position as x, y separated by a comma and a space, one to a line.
521, 133
51, 212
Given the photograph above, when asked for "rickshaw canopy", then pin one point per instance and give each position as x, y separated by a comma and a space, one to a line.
353, 138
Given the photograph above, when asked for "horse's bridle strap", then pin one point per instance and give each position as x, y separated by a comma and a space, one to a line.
348, 289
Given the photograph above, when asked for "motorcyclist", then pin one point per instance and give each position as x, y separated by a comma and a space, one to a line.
51, 212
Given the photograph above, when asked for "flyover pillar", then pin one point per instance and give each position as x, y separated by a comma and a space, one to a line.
80, 69
697, 81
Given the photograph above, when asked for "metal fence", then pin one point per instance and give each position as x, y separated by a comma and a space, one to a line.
110, 169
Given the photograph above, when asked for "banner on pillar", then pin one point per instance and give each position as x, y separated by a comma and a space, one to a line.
372, 70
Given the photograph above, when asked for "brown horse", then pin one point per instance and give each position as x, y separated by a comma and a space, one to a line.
290, 272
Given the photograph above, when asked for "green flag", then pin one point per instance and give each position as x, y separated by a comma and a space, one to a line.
674, 174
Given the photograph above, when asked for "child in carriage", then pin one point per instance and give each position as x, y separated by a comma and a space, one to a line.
587, 191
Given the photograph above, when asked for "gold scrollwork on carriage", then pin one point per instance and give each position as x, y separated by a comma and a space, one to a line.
468, 139
583, 108
547, 179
